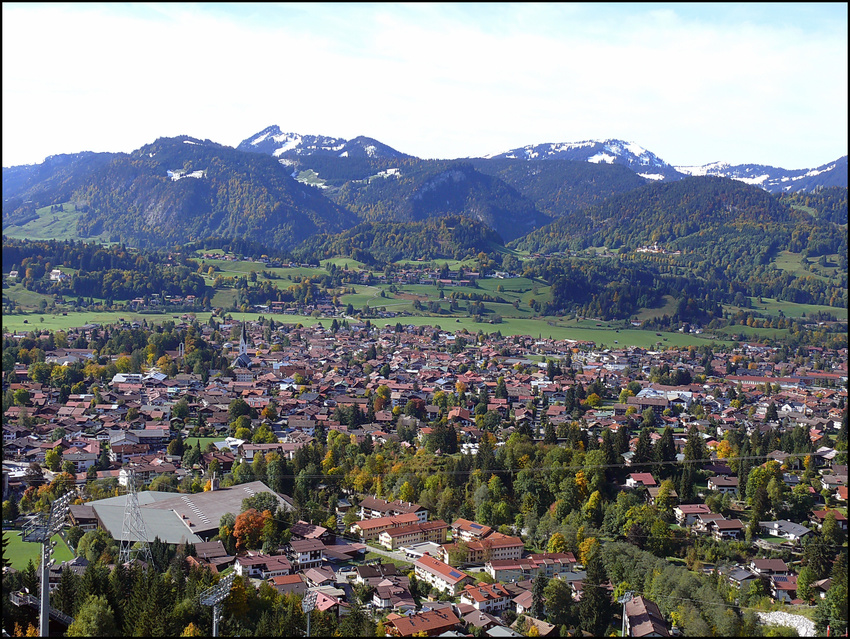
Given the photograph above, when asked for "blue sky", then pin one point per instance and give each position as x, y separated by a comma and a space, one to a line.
693, 83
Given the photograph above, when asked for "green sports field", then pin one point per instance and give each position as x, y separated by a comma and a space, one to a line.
19, 552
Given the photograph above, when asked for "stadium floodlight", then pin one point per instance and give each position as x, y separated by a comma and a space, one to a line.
40, 529
215, 595
308, 603
626, 598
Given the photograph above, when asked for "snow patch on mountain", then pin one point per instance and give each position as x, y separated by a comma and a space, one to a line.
602, 157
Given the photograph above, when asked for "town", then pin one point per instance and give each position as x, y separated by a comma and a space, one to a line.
412, 481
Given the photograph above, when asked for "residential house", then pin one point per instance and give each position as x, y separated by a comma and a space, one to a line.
686, 514
440, 575
262, 566
727, 529
432, 623
490, 598
644, 619
307, 553
723, 484
784, 528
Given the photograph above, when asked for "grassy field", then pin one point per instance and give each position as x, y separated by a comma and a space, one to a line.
793, 263
343, 262
555, 328
771, 307
669, 308
50, 226
20, 552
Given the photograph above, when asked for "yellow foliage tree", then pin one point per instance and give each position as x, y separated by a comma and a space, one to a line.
586, 548
191, 631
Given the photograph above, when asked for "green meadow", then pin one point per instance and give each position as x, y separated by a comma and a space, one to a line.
60, 225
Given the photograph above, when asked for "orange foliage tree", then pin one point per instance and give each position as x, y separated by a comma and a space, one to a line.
249, 528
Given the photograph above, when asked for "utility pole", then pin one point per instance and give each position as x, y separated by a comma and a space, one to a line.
40, 529
215, 595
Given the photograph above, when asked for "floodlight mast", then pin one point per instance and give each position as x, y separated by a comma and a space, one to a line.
308, 603
215, 595
40, 529
626, 598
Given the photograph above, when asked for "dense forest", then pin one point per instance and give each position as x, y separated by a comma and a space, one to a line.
112, 273
450, 237
560, 187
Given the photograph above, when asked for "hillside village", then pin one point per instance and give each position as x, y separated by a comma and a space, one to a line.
682, 437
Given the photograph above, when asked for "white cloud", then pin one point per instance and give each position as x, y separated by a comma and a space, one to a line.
431, 80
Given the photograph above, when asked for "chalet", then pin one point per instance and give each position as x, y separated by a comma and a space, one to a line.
783, 588
686, 514
490, 598
262, 566
307, 553
818, 517
767, 567
394, 593
466, 530
727, 529
636, 480
724, 485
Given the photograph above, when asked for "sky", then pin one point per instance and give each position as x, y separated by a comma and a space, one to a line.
693, 83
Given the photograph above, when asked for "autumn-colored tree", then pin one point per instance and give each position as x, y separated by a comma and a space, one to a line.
557, 543
249, 528
586, 548
191, 631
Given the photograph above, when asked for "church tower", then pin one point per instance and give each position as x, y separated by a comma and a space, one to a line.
243, 341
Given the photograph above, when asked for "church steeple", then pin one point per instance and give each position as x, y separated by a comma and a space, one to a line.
243, 341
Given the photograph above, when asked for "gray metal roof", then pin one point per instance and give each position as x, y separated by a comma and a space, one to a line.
178, 517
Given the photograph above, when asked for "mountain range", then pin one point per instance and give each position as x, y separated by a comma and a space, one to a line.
281, 188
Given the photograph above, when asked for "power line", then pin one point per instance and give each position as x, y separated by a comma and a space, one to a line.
556, 468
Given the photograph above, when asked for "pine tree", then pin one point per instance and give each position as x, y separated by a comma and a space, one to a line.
595, 606
537, 597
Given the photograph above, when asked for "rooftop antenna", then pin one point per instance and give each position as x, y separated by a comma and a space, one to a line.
133, 529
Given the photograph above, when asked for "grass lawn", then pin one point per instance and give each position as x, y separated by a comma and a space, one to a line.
386, 560
192, 441
20, 552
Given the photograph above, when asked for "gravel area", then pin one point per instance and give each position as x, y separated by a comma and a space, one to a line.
804, 626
